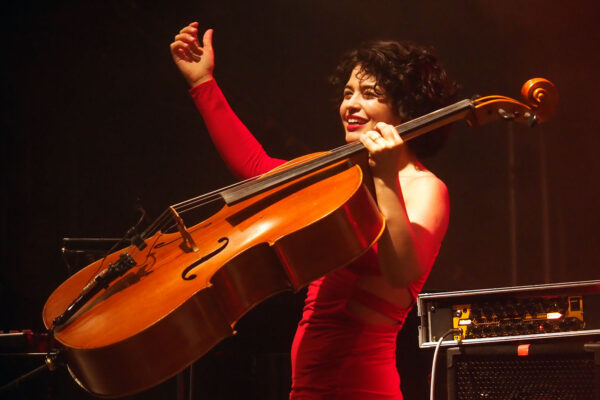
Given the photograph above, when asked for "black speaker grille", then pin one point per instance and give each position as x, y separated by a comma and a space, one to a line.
553, 377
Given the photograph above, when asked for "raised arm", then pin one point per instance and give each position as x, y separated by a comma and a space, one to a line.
242, 153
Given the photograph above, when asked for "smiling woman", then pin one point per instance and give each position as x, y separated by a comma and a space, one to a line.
345, 343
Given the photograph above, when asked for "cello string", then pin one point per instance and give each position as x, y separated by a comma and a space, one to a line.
153, 226
213, 194
210, 197
165, 217
190, 207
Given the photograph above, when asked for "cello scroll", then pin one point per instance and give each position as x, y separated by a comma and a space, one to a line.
539, 94
542, 95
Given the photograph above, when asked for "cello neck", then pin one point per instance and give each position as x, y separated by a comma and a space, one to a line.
408, 130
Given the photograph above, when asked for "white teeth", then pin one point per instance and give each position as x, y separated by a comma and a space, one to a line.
355, 121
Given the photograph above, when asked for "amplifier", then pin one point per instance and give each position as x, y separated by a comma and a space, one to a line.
561, 369
510, 313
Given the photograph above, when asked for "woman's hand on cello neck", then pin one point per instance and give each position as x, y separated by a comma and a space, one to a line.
388, 154
195, 62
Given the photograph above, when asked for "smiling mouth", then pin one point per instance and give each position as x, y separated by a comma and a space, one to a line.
355, 123
352, 128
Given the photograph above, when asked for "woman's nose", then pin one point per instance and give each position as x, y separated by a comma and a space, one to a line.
354, 102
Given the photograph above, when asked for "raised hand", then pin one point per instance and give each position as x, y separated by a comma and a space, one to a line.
195, 62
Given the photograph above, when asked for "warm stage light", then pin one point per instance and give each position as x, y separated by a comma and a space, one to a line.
553, 315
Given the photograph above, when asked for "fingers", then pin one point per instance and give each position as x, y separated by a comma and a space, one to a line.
186, 43
182, 51
388, 132
374, 137
186, 37
191, 28
207, 39
189, 43
373, 141
188, 34
381, 137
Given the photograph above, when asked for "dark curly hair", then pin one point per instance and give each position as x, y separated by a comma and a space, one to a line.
413, 79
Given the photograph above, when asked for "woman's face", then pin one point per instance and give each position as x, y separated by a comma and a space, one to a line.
364, 105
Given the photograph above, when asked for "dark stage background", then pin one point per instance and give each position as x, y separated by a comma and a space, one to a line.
95, 115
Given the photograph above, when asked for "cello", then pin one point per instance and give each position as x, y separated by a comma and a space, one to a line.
141, 314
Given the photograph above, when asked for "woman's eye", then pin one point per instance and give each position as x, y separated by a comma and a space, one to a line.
370, 94
373, 94
347, 94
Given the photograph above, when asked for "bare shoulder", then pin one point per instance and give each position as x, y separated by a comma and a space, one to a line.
424, 186
427, 202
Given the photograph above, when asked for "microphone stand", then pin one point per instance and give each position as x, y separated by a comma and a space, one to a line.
51, 357
105, 277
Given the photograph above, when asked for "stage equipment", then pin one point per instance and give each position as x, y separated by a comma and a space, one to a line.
508, 314
79, 252
25, 344
142, 314
558, 369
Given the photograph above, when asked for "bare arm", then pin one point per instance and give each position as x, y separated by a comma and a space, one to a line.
416, 208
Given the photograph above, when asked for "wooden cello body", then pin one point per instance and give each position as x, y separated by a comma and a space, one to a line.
177, 303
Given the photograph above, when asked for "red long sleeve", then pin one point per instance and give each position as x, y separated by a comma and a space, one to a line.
240, 150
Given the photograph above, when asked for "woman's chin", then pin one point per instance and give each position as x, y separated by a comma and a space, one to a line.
352, 137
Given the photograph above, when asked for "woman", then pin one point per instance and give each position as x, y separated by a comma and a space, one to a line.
345, 344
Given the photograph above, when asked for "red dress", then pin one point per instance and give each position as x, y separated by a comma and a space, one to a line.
334, 354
